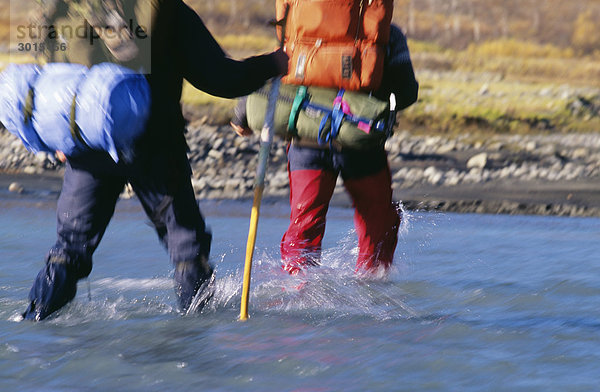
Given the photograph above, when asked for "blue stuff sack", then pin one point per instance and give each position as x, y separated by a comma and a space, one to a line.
76, 109
113, 104
53, 98
15, 84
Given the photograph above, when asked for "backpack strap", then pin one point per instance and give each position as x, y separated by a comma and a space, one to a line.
321, 137
28, 107
341, 112
297, 105
334, 116
73, 127
340, 109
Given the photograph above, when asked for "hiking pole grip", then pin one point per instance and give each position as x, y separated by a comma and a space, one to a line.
266, 140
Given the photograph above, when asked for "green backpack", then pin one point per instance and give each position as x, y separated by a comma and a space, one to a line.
327, 116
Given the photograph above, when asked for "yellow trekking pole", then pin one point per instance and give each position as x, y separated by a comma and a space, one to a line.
266, 140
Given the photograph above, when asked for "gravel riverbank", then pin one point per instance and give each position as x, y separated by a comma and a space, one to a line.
556, 174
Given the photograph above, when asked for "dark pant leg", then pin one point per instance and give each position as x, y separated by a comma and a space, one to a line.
85, 206
169, 201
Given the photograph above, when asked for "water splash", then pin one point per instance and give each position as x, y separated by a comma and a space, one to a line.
330, 290
125, 284
405, 219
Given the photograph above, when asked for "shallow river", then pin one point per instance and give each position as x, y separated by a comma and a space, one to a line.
473, 303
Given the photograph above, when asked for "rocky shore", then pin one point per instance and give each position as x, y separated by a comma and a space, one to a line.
554, 174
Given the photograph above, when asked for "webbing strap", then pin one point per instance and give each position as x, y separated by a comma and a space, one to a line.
365, 124
301, 95
336, 115
322, 139
28, 108
73, 127
340, 108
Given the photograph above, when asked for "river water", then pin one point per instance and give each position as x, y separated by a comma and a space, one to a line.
473, 303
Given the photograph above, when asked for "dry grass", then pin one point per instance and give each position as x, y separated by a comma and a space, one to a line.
247, 44
516, 83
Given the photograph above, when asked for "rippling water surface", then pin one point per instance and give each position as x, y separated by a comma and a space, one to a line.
474, 302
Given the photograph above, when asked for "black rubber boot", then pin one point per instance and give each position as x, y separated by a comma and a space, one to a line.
193, 284
56, 284
54, 287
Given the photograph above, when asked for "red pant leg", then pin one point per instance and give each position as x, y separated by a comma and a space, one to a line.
310, 193
376, 220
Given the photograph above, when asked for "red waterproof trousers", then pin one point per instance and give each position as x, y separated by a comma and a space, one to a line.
312, 174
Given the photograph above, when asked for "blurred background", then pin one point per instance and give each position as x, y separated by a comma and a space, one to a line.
463, 51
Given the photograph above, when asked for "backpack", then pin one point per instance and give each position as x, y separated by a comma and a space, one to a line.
336, 43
